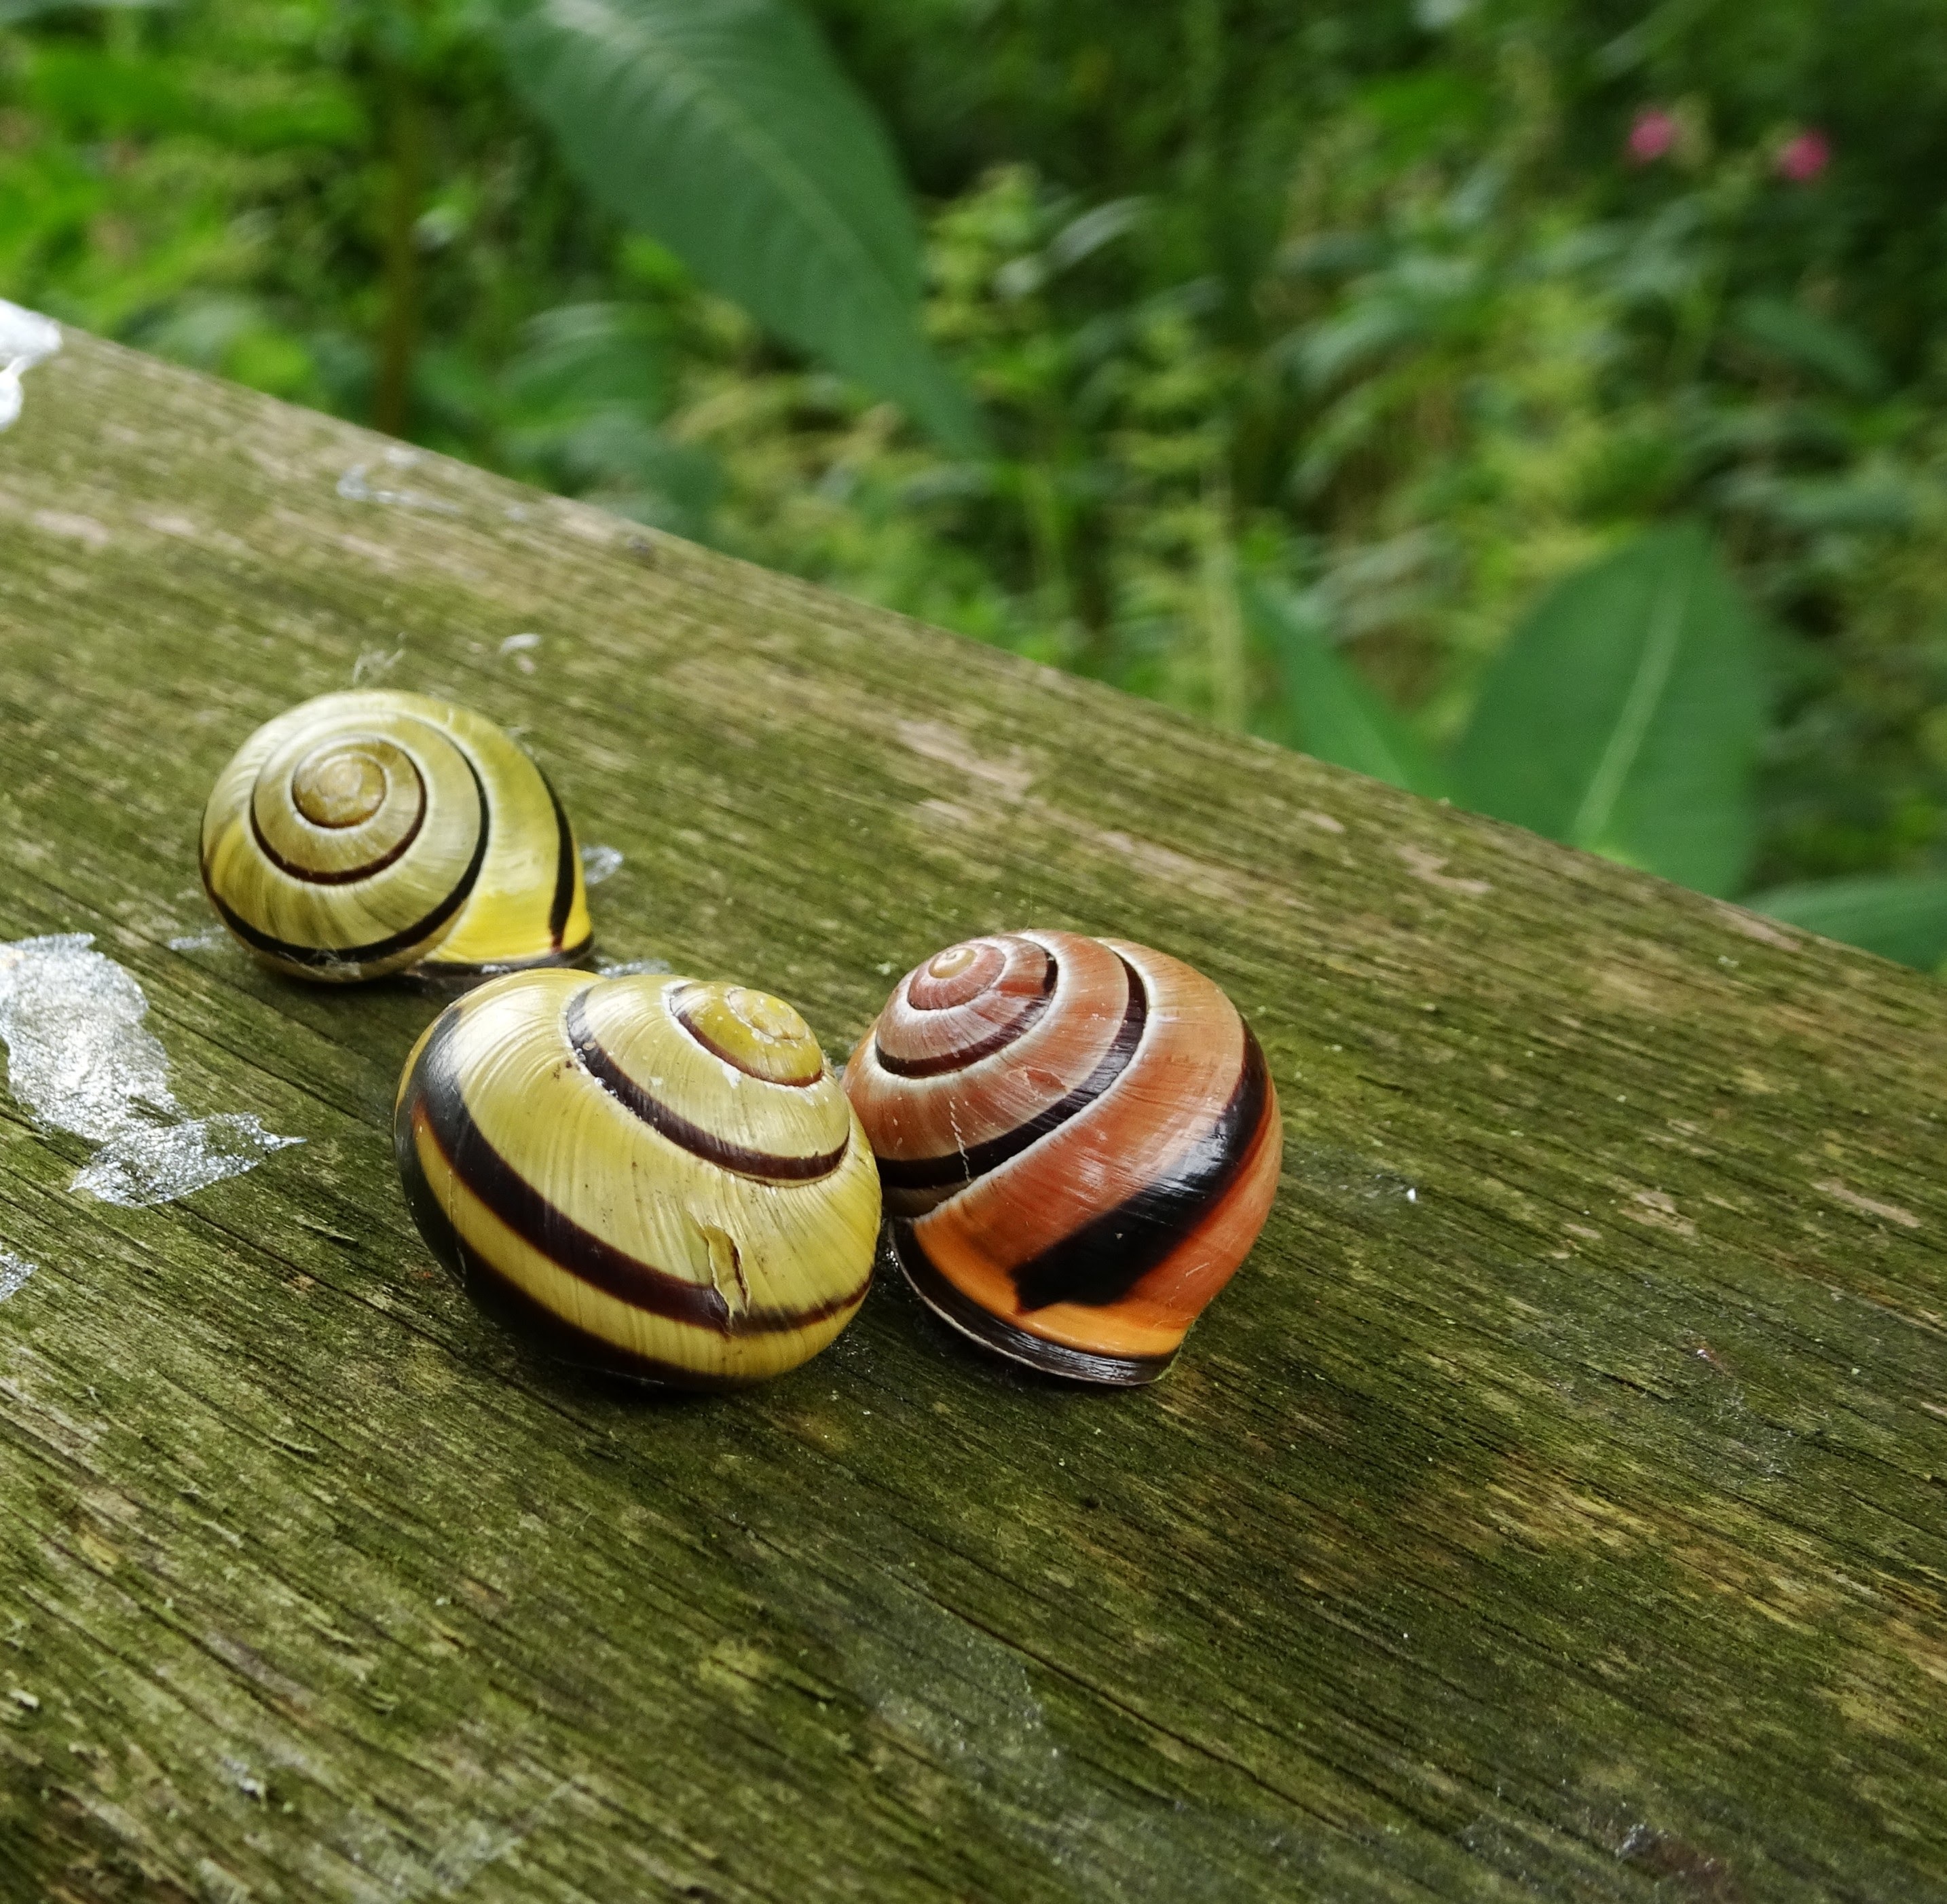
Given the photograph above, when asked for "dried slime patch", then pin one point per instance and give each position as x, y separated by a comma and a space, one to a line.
158, 1165
25, 337
81, 1059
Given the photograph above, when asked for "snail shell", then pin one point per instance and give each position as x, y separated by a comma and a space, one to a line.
662, 1177
364, 832
1078, 1141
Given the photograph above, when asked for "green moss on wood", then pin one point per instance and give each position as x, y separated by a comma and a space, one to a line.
1557, 1502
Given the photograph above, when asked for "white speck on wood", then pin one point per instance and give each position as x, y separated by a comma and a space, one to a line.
1754, 926
599, 863
14, 1271
356, 486
76, 528
1010, 778
1866, 1206
374, 663
1423, 863
1658, 1209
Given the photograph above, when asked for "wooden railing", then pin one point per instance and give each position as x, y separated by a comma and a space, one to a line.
1554, 1505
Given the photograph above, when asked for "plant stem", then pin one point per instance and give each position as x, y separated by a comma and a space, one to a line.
399, 328
1229, 687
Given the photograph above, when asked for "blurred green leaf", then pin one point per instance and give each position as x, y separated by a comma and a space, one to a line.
1329, 710
12, 12
93, 93
724, 128
1813, 342
1624, 716
1902, 919
236, 337
1324, 353
581, 356
1866, 499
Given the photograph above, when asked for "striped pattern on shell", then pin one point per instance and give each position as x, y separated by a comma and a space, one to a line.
1078, 1141
647, 1175
363, 833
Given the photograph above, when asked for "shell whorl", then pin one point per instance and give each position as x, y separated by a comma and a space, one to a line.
364, 832
1079, 1140
663, 1174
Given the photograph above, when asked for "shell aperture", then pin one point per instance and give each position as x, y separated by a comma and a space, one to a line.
362, 833
1079, 1140
641, 1198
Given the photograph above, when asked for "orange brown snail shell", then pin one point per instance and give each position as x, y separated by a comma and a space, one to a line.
1078, 1141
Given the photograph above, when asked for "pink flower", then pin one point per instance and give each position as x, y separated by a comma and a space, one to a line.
1652, 135
1802, 158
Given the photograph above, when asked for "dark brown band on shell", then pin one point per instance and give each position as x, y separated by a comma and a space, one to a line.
324, 957
716, 1050
975, 1160
530, 1322
350, 875
926, 991
964, 1314
435, 1103
565, 868
1099, 1263
998, 1041
692, 1138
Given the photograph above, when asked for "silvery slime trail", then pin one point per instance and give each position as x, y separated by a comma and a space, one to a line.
81, 1059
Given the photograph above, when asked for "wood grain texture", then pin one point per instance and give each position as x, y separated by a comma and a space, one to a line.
1556, 1503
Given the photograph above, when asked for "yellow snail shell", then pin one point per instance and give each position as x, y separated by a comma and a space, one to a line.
364, 832
657, 1176
1079, 1142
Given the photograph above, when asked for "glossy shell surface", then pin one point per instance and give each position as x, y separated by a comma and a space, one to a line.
654, 1176
363, 833
1078, 1141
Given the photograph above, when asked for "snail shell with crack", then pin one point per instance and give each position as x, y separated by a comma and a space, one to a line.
649, 1174
363, 833
1078, 1141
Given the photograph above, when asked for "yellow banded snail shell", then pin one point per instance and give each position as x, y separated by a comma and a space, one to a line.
362, 833
1078, 1141
653, 1175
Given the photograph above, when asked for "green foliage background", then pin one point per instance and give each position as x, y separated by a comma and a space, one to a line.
1345, 329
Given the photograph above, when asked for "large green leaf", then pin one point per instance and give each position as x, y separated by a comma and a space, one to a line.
1902, 919
1329, 710
725, 128
1624, 716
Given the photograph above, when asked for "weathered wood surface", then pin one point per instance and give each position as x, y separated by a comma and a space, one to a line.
1554, 1505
